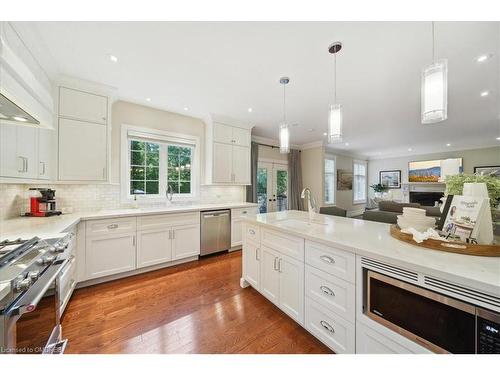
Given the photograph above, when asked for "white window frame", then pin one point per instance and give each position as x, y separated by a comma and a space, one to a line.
163, 137
365, 164
330, 157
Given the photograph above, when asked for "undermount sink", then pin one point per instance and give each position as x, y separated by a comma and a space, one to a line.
301, 223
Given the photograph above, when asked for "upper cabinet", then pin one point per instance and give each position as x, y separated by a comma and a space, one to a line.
80, 105
227, 153
83, 135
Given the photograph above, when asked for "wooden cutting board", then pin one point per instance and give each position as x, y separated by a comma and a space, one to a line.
450, 247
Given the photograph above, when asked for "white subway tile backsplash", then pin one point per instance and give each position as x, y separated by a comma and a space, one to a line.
15, 197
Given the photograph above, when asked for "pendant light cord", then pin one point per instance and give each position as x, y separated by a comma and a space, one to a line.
284, 103
335, 78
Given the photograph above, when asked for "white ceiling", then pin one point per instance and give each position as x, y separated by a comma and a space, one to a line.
226, 68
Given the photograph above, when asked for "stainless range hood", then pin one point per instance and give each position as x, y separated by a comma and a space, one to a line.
9, 111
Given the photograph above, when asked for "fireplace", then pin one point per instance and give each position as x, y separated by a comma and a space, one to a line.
425, 198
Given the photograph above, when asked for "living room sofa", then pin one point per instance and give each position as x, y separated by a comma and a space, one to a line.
388, 211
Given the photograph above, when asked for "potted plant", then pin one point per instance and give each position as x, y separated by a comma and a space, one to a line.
379, 189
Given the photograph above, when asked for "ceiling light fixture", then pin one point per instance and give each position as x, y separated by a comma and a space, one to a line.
186, 108
325, 133
335, 113
485, 93
448, 145
250, 110
410, 149
19, 118
284, 134
498, 138
435, 89
148, 99
483, 58
113, 58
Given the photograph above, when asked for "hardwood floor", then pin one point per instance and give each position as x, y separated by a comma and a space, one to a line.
197, 307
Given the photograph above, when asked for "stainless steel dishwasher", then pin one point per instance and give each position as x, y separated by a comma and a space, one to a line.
215, 231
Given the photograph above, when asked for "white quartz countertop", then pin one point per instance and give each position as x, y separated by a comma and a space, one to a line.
372, 239
46, 227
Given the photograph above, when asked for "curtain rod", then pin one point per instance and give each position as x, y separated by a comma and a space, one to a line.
263, 144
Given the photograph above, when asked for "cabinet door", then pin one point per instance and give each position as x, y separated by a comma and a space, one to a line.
27, 148
82, 151
185, 241
236, 232
369, 341
252, 254
10, 164
270, 276
222, 163
292, 287
223, 133
241, 165
80, 105
110, 254
241, 137
154, 247
45, 153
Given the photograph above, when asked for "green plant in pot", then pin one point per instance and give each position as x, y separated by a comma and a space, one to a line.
379, 188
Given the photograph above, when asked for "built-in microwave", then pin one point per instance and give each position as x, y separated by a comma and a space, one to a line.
440, 323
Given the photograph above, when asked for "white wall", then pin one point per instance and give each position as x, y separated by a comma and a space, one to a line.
272, 153
471, 159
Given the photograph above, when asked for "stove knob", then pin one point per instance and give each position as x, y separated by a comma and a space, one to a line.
50, 259
34, 275
60, 248
52, 249
22, 285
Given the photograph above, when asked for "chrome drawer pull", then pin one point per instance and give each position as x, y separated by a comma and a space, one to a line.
327, 290
327, 259
251, 231
112, 226
327, 326
257, 254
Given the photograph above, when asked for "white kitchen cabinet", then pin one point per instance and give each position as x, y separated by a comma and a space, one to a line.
185, 241
110, 254
237, 224
81, 105
252, 258
154, 247
223, 164
241, 165
270, 277
19, 151
82, 151
241, 137
369, 341
223, 133
291, 287
46, 147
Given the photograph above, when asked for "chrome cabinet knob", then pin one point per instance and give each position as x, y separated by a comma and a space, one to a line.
33, 275
22, 285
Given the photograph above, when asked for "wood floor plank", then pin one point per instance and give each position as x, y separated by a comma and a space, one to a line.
197, 307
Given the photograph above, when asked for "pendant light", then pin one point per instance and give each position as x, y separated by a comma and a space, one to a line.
435, 89
284, 134
334, 134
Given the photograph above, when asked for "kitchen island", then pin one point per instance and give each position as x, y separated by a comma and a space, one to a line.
313, 267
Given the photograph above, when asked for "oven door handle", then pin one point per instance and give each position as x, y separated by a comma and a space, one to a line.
29, 301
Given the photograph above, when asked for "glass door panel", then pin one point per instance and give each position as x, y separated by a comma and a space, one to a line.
272, 187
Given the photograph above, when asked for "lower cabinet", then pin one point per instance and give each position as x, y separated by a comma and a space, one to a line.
251, 258
369, 341
154, 247
335, 332
185, 241
110, 254
282, 282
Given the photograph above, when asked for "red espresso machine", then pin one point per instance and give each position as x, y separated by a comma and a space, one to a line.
44, 205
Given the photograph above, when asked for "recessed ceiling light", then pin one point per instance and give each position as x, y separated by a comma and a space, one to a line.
250, 109
498, 138
410, 149
19, 118
448, 145
347, 143
148, 99
186, 108
327, 134
485, 93
483, 58
113, 58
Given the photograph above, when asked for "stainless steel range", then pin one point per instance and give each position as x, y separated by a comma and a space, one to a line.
30, 305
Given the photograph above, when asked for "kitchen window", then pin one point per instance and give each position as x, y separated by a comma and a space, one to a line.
359, 182
156, 160
329, 175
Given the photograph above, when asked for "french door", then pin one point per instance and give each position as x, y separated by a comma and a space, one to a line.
272, 187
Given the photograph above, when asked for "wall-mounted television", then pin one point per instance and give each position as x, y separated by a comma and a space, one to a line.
427, 171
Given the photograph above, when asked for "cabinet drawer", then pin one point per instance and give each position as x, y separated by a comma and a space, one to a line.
110, 226
337, 262
285, 243
237, 213
335, 294
167, 220
335, 332
369, 341
251, 232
